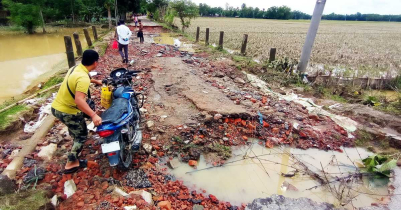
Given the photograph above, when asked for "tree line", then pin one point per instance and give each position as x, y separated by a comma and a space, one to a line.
362, 17
33, 13
282, 12
285, 13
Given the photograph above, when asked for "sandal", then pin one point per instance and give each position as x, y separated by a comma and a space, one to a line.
82, 164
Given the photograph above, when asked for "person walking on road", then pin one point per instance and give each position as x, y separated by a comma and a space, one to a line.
136, 20
140, 32
70, 105
123, 34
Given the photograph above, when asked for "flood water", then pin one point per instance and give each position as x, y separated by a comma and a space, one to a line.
244, 180
26, 59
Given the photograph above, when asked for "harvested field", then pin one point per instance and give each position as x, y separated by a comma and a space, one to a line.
371, 48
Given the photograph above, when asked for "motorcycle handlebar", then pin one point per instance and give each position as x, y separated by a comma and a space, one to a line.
127, 75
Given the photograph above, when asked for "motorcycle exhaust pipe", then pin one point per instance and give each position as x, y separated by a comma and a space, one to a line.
137, 142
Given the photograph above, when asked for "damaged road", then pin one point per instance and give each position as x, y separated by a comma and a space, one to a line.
196, 110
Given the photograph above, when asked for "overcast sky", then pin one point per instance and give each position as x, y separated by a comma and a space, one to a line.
307, 6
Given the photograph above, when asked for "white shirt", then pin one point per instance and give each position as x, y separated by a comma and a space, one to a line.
124, 34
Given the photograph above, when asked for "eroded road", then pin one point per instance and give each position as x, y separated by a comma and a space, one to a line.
194, 104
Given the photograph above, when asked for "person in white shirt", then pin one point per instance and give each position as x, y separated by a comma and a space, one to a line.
123, 34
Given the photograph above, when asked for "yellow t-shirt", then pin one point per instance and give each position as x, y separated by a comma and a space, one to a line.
78, 81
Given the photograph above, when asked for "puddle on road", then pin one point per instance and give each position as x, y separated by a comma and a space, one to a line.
244, 180
166, 38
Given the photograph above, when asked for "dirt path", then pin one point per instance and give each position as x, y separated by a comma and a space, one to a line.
183, 94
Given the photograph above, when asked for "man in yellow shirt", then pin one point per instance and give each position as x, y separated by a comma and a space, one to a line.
70, 104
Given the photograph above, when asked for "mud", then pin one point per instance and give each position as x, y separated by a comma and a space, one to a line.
371, 120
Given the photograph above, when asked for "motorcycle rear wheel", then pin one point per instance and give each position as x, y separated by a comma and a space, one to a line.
125, 150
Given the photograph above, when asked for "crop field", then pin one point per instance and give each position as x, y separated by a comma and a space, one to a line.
350, 48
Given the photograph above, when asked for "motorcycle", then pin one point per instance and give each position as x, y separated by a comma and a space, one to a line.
120, 123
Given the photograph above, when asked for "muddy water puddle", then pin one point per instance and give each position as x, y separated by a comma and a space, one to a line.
168, 39
242, 180
26, 59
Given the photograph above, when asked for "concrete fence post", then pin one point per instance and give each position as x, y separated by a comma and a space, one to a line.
207, 37
244, 43
78, 44
69, 51
94, 33
197, 34
88, 38
272, 54
221, 40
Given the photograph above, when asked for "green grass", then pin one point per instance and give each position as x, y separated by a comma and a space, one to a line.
373, 143
27, 200
244, 62
178, 139
53, 81
10, 115
393, 108
221, 150
338, 98
362, 138
102, 48
8, 102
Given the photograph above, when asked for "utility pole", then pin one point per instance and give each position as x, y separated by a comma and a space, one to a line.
310, 37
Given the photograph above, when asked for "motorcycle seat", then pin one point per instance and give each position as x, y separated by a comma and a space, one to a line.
118, 108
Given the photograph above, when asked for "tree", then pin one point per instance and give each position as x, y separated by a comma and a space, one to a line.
298, 15
185, 10
109, 4
90, 9
41, 5
284, 13
203, 9
243, 10
24, 13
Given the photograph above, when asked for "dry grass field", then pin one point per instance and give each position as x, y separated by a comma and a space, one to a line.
360, 48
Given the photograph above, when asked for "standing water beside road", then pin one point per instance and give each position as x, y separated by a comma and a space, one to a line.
26, 60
